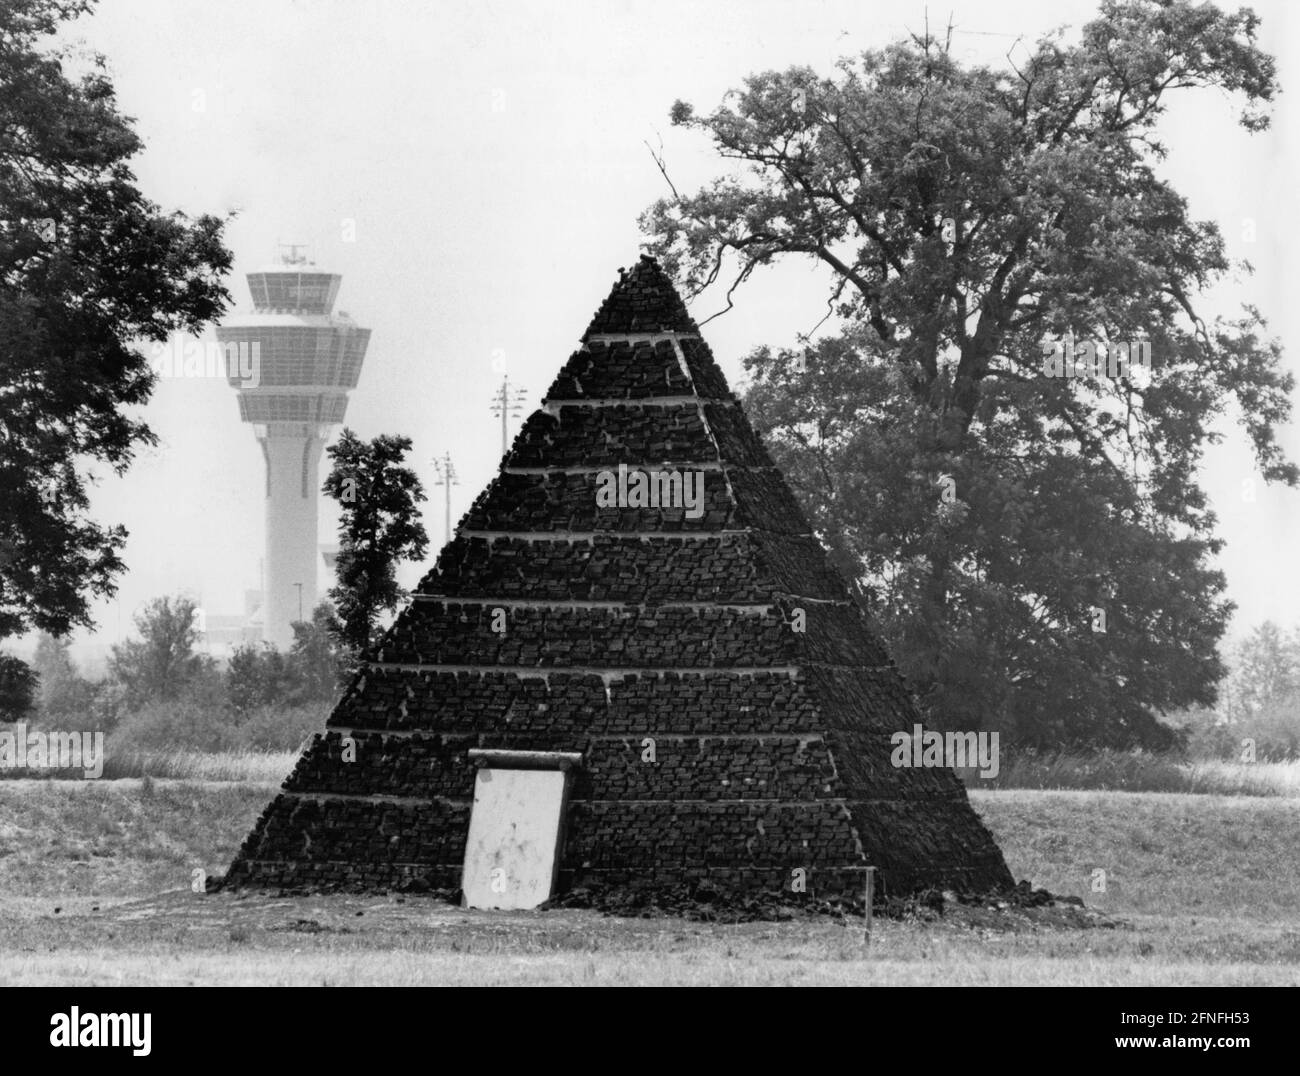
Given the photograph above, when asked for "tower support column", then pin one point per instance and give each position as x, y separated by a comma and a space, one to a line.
293, 454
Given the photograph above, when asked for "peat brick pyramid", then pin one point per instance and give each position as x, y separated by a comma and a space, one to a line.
731, 708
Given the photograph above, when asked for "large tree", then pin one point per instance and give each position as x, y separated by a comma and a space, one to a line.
89, 269
1036, 547
379, 526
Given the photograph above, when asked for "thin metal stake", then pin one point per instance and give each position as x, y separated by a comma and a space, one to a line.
871, 893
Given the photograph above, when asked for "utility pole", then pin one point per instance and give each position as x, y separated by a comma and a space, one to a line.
507, 401
446, 477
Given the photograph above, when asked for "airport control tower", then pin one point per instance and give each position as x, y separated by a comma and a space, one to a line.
297, 363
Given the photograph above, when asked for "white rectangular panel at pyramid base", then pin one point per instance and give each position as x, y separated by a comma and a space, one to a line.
512, 852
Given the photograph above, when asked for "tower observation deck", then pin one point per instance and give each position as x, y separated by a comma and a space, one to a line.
304, 359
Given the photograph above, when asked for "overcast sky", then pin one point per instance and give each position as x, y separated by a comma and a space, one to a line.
492, 159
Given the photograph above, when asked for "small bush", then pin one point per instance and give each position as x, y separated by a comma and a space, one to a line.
19, 685
281, 728
158, 726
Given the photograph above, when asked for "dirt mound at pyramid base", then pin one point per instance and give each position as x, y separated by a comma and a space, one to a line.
703, 900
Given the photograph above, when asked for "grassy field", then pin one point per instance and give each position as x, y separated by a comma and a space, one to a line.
1111, 771
95, 877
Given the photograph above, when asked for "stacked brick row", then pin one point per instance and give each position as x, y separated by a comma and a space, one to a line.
346, 843
636, 570
608, 436
622, 370
607, 835
560, 503
563, 502
353, 843
734, 711
564, 636
641, 370
639, 570
658, 767
569, 705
